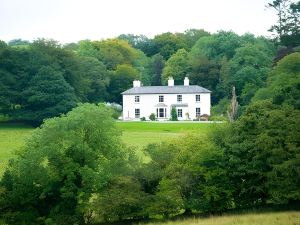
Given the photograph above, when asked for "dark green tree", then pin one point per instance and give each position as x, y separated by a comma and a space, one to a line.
47, 95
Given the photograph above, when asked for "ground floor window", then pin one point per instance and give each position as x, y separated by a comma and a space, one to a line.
198, 112
137, 113
179, 113
161, 112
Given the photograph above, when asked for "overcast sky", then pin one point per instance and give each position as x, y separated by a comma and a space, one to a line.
74, 20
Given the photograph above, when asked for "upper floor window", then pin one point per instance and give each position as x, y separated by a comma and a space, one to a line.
137, 98
179, 98
137, 113
197, 98
161, 98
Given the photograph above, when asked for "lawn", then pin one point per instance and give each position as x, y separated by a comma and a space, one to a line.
142, 133
271, 218
139, 134
12, 137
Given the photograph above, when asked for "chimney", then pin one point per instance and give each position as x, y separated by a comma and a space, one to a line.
186, 81
136, 83
170, 81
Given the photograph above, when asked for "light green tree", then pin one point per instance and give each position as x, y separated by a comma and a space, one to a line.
177, 67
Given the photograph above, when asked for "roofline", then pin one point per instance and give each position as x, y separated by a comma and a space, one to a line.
165, 93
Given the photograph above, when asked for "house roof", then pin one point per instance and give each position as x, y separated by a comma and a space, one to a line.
177, 89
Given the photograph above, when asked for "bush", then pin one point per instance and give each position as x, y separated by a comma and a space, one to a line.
152, 117
143, 118
174, 114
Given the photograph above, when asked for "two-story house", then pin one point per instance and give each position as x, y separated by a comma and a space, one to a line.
190, 101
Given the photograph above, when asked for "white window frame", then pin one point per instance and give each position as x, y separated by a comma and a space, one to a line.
137, 113
179, 98
161, 110
161, 98
198, 114
137, 99
198, 98
179, 113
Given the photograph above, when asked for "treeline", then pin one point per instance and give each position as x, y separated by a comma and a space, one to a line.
75, 170
43, 79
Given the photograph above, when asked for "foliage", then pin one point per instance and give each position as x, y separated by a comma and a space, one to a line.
121, 80
113, 52
60, 167
157, 65
177, 67
287, 27
174, 114
152, 117
48, 95
283, 83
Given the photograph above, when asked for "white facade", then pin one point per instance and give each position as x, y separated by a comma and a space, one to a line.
139, 102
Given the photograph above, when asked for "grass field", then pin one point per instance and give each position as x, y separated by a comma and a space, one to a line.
143, 133
139, 134
271, 218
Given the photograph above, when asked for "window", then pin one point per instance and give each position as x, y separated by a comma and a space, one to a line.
179, 113
198, 112
137, 98
179, 98
197, 98
161, 98
137, 113
161, 112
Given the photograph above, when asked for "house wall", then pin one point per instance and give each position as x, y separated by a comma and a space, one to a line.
148, 102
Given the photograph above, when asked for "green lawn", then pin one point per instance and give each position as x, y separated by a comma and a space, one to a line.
142, 133
272, 218
13, 136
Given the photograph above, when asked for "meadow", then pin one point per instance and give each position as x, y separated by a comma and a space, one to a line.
255, 218
138, 134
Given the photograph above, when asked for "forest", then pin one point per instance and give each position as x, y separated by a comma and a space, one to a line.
74, 169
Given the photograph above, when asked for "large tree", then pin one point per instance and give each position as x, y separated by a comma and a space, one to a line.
46, 96
287, 27
53, 178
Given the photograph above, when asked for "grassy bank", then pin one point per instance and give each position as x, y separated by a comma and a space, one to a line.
270, 218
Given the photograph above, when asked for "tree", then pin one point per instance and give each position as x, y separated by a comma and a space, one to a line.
121, 80
174, 114
95, 77
140, 42
283, 83
64, 162
249, 68
287, 27
169, 43
157, 66
46, 96
177, 66
114, 52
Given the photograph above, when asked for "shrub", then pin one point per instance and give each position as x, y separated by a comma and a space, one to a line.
174, 114
152, 117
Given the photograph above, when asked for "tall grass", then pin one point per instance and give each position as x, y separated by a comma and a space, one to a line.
270, 218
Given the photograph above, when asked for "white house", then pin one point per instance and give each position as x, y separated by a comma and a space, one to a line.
190, 101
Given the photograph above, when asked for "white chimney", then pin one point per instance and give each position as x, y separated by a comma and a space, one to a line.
186, 81
136, 83
171, 81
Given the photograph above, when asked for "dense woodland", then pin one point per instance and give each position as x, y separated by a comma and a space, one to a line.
75, 169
